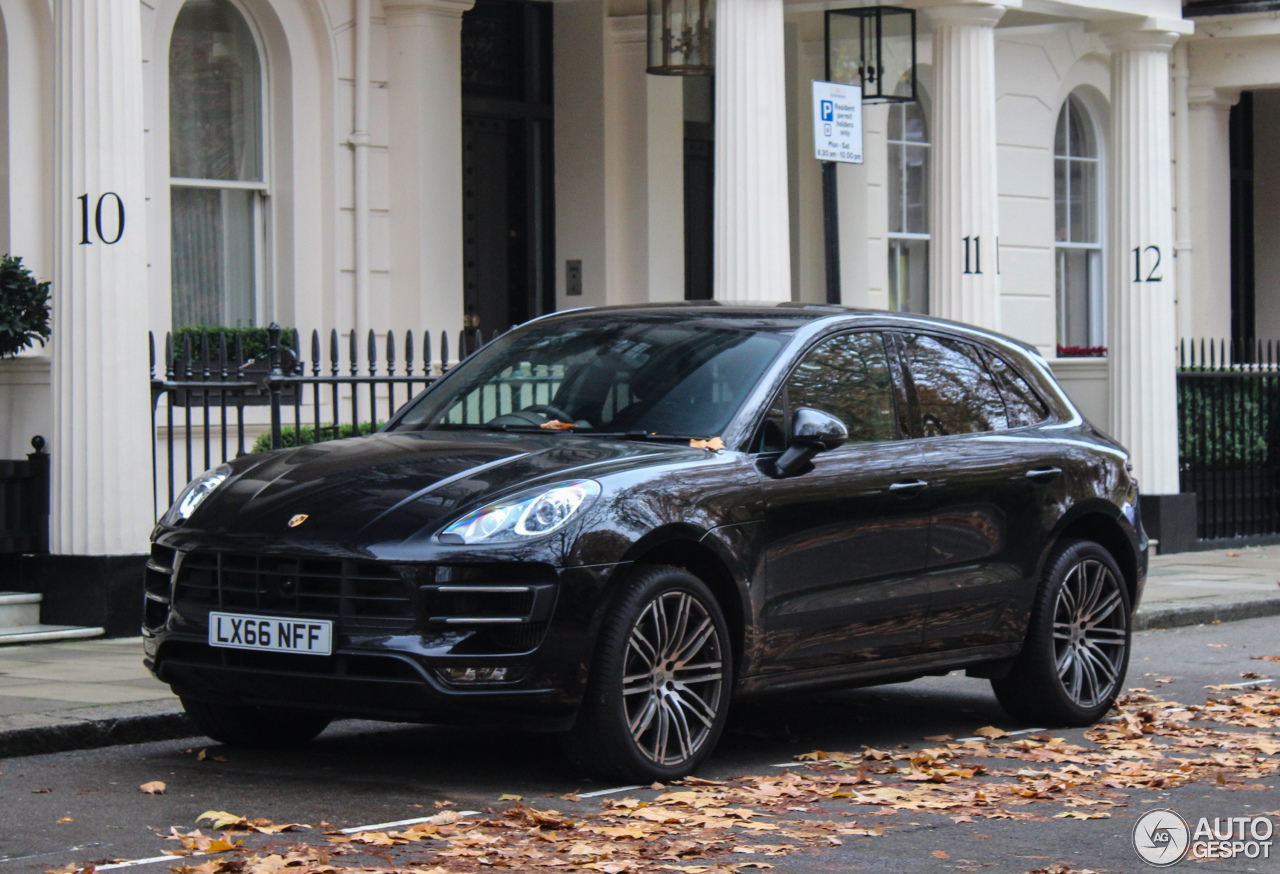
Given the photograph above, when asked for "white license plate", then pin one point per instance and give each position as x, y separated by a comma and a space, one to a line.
271, 633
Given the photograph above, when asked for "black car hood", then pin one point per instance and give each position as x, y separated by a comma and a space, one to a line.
389, 487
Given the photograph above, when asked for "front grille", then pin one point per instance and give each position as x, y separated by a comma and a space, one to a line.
360, 596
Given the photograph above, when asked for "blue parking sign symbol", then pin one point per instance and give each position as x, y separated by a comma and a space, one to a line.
828, 110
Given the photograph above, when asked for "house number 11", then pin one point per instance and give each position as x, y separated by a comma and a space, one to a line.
97, 218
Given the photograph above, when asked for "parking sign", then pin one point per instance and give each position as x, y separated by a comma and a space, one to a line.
837, 122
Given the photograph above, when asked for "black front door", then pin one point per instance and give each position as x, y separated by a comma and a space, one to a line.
507, 164
847, 541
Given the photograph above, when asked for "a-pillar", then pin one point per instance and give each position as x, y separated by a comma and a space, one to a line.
101, 496
1142, 330
963, 194
752, 235
425, 144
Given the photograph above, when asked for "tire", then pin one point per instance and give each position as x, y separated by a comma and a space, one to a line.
241, 725
658, 694
1073, 662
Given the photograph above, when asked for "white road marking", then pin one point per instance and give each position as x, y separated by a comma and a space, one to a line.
382, 825
1249, 683
600, 792
346, 831
964, 740
131, 863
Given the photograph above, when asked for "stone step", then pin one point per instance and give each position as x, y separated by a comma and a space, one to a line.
45, 633
19, 609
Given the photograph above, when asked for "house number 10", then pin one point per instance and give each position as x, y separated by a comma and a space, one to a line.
97, 218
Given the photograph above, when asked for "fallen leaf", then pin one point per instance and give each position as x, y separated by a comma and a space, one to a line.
990, 732
1233, 555
221, 820
940, 854
66, 819
155, 787
939, 738
715, 444
511, 798
40, 791
556, 425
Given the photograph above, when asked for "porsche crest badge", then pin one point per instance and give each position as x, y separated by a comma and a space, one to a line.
298, 520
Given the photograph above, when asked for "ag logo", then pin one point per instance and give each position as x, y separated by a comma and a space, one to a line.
298, 520
1161, 837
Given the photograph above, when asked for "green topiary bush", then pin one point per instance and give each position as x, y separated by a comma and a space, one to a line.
289, 436
24, 307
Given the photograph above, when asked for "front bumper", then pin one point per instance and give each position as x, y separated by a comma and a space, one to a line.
405, 634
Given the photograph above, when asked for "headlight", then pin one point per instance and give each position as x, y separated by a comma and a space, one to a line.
194, 494
523, 517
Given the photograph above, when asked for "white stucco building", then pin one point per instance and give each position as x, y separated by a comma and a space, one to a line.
358, 164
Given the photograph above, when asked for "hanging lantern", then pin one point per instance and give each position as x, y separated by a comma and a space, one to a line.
681, 37
875, 47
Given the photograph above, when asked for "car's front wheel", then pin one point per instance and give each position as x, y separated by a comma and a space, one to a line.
1076, 653
241, 725
658, 694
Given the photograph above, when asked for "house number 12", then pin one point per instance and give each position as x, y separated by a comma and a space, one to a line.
97, 218
1138, 252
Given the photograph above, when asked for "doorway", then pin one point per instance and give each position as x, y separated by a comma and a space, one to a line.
507, 164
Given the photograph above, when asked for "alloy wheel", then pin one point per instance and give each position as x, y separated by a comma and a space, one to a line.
673, 678
1090, 633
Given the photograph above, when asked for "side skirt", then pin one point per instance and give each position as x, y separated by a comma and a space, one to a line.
877, 673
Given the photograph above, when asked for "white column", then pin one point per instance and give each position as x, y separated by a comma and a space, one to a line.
963, 203
752, 238
1142, 329
425, 151
102, 502
1205, 307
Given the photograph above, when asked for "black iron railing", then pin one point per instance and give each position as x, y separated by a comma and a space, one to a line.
1229, 436
211, 404
24, 502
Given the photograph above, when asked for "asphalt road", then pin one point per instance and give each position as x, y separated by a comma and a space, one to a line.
82, 806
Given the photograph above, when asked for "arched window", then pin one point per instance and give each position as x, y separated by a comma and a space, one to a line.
218, 183
908, 208
1081, 307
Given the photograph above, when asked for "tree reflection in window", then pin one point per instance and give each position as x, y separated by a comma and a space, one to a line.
848, 377
954, 392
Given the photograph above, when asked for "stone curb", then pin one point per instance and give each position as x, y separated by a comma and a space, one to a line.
93, 727
1204, 614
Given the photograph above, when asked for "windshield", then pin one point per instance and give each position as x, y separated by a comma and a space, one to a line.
656, 375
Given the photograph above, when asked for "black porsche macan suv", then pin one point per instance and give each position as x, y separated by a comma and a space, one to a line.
609, 522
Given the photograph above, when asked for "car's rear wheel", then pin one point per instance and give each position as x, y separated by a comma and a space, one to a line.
1076, 653
241, 725
658, 694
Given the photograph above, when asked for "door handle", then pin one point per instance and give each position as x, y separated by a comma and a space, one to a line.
1044, 474
908, 489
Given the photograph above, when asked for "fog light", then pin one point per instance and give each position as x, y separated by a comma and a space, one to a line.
475, 675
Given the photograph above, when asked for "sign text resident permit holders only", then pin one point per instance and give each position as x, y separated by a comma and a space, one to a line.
837, 122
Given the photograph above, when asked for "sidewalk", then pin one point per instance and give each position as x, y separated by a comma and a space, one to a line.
90, 693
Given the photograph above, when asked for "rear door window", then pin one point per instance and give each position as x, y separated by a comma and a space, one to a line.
954, 393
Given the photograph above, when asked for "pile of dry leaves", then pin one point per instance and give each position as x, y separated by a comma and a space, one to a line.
828, 798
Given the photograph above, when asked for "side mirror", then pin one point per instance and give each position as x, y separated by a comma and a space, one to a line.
812, 431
